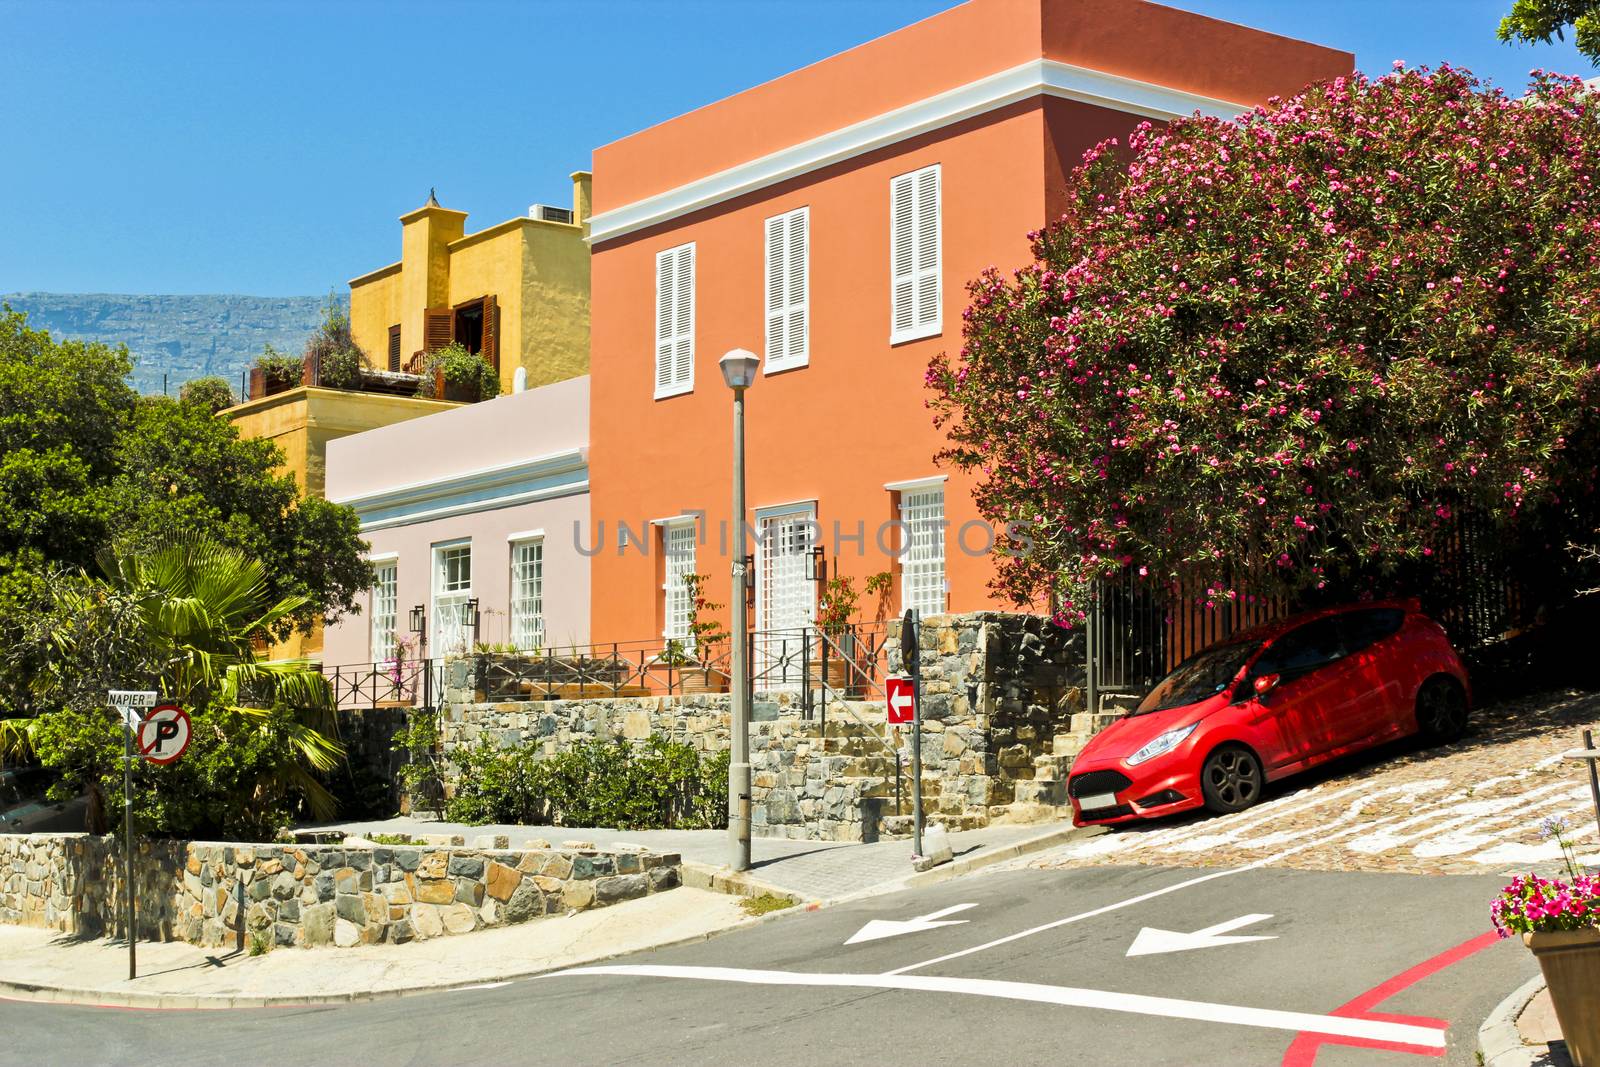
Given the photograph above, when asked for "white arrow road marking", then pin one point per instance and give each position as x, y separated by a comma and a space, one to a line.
1140, 899
1151, 941
1067, 996
877, 928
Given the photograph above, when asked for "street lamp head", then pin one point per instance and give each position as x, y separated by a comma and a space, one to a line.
739, 368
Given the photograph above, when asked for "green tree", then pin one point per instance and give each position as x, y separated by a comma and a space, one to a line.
1283, 353
179, 618
1537, 21
86, 463
211, 393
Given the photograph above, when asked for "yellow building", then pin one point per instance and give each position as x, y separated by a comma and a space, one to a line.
517, 292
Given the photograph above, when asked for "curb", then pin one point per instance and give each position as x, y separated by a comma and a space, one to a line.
695, 875
1499, 1042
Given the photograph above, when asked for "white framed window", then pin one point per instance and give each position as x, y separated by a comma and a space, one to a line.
786, 601
914, 256
527, 593
678, 545
385, 601
788, 291
922, 554
452, 588
675, 321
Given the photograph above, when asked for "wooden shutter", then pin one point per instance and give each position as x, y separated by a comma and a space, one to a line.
788, 281
675, 320
438, 328
394, 348
914, 254
491, 332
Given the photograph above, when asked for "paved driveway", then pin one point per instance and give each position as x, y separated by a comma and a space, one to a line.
1469, 808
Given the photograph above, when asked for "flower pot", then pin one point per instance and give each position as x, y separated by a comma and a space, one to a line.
446, 390
702, 680
1570, 960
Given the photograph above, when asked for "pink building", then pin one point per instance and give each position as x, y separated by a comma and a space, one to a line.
474, 517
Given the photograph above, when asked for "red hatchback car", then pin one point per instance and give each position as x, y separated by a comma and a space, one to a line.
1269, 703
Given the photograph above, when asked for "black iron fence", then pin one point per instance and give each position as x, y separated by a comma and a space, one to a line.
1482, 595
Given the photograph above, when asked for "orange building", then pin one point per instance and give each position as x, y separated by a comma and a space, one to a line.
829, 222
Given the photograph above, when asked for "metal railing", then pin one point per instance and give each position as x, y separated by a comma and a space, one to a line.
391, 683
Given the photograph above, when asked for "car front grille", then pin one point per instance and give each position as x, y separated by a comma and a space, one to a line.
1091, 782
1116, 812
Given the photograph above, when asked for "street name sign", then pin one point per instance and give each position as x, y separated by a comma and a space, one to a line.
129, 702
164, 734
902, 700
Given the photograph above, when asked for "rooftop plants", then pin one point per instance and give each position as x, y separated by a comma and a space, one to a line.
1284, 353
279, 370
464, 373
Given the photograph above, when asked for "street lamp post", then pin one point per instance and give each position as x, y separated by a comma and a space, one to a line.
739, 370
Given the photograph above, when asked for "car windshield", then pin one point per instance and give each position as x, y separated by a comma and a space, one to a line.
1202, 675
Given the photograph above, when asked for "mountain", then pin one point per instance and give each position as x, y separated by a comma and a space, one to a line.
182, 337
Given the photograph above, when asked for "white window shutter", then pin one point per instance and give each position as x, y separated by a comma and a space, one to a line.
901, 263
799, 252
664, 291
914, 255
927, 196
788, 284
675, 320
777, 289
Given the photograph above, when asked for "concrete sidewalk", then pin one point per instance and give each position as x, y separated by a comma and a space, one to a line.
809, 870
45, 965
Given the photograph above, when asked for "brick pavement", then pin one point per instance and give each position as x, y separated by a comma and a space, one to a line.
1472, 807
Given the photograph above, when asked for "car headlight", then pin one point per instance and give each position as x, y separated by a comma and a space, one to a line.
1165, 743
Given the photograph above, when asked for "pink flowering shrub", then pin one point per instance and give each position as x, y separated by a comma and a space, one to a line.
1274, 353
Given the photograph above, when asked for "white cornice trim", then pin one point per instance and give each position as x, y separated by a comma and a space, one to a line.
916, 483
1045, 77
523, 481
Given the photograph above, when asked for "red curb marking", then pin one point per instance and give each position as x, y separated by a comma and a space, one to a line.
1302, 1051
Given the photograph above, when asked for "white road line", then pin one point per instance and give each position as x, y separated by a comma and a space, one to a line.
1134, 900
1067, 996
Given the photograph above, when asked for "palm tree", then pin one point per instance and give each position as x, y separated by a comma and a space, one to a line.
196, 607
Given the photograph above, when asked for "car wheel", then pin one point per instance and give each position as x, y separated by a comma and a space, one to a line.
1231, 779
1441, 709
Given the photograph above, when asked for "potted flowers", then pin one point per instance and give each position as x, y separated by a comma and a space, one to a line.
453, 373
1560, 923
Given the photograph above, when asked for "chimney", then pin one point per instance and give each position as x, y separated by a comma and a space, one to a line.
582, 197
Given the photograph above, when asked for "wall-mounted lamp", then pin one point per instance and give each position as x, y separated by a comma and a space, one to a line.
816, 566
419, 619
469, 616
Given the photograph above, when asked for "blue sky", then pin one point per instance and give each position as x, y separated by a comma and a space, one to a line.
268, 148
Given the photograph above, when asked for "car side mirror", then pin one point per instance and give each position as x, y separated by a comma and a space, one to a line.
1266, 684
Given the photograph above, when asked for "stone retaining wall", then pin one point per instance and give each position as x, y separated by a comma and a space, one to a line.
308, 895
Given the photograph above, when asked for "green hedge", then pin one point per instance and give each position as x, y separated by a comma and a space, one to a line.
658, 784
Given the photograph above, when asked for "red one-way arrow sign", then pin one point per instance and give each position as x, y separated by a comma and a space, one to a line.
902, 700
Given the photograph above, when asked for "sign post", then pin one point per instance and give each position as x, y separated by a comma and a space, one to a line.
910, 656
1592, 755
128, 703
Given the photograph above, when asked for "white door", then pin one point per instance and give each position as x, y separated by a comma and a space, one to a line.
785, 600
452, 588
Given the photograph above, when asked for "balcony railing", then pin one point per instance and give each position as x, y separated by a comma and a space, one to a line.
845, 665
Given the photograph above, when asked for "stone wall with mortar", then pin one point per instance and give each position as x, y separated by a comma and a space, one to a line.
310, 895
996, 688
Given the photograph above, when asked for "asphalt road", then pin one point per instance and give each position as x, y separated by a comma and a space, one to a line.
1033, 968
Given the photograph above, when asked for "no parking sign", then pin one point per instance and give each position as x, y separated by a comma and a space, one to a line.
164, 734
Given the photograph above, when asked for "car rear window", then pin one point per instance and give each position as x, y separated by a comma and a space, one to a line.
1205, 674
1369, 626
